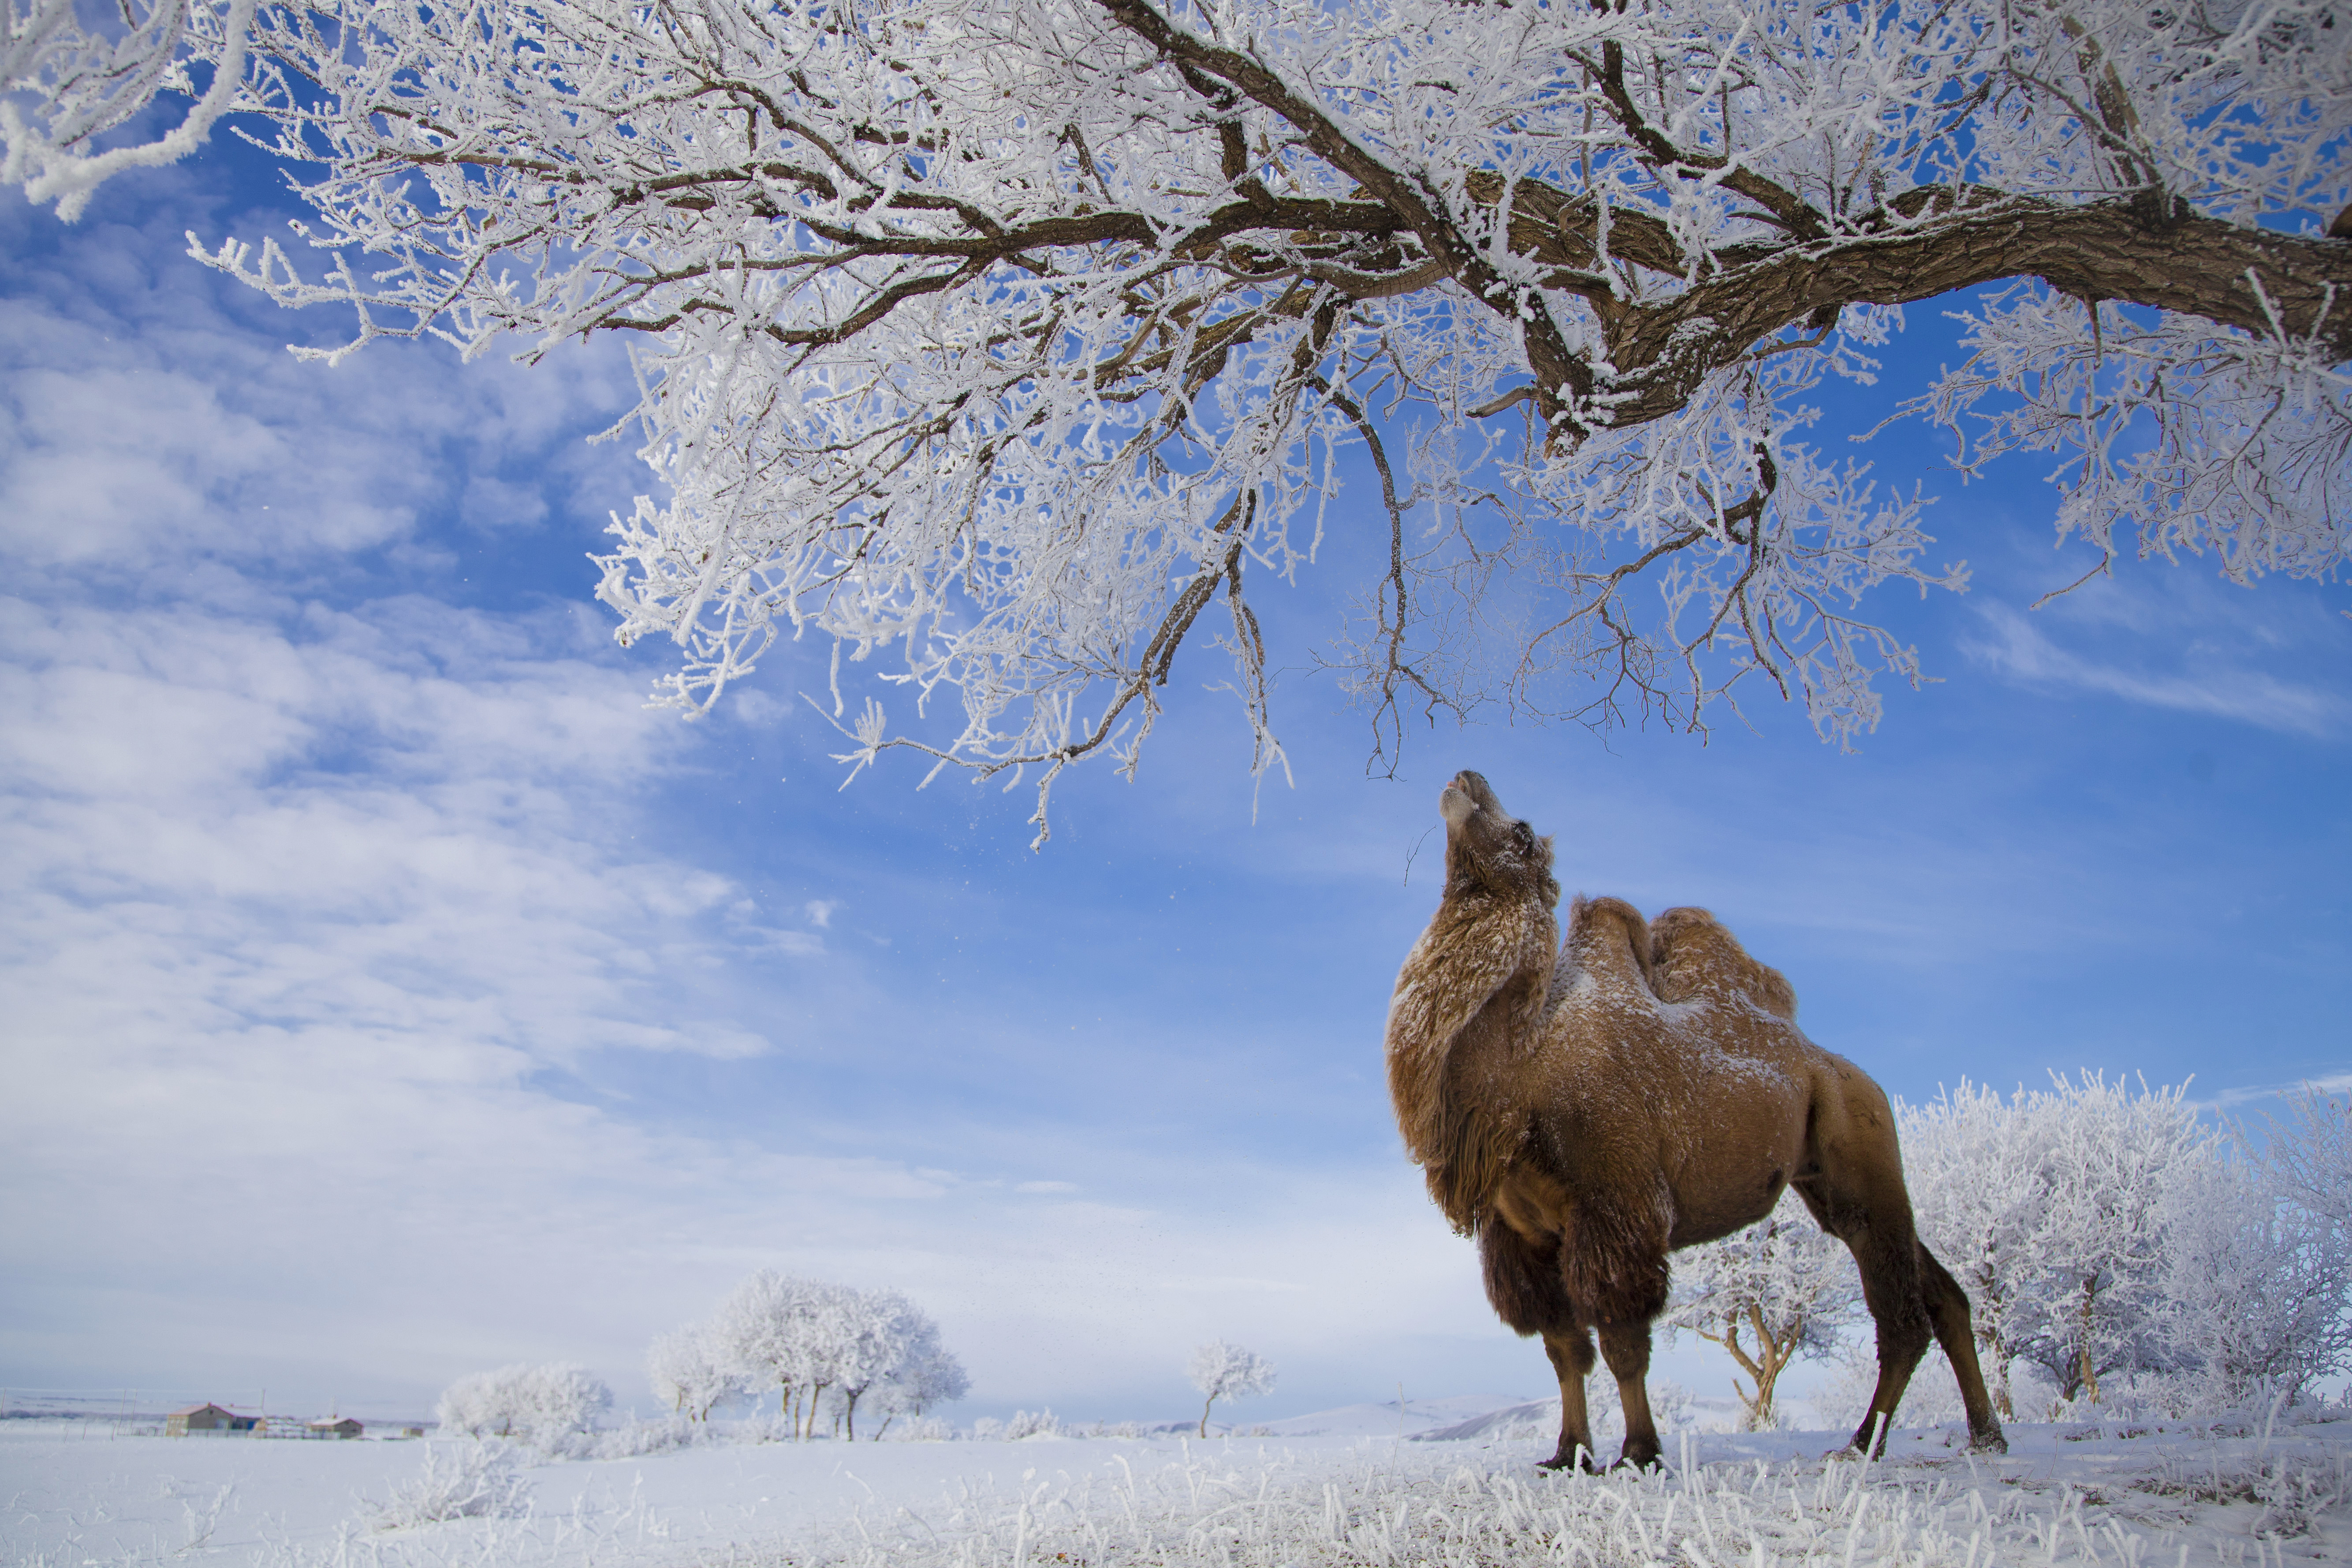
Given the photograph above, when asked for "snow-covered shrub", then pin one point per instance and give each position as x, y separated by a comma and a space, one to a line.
475, 1480
1670, 1405
919, 1429
542, 1404
1022, 1424
662, 1435
987, 1429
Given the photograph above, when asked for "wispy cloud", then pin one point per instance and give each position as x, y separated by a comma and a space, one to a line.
2321, 1084
2022, 652
326, 916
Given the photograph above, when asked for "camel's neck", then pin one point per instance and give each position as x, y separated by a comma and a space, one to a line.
1476, 979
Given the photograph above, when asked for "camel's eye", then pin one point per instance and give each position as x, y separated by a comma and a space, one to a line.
1524, 834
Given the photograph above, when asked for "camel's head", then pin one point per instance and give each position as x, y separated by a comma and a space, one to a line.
1488, 851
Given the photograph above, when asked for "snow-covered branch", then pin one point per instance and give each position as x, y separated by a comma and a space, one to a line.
995, 340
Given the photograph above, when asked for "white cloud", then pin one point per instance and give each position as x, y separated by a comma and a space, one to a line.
282, 1017
322, 914
2222, 690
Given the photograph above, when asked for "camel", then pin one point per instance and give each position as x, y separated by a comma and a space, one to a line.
1584, 1111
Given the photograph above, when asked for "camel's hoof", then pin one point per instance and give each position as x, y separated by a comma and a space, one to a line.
1850, 1451
1581, 1462
1649, 1464
1991, 1442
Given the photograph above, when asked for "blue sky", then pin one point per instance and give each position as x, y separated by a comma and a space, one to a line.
394, 996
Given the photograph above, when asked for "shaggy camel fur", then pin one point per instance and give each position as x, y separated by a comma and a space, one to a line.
1584, 1111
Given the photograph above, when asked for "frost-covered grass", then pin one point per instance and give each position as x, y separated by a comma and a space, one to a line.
2140, 1495
2063, 1499
461, 1481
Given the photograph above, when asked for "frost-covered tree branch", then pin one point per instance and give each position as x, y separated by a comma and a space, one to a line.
1000, 340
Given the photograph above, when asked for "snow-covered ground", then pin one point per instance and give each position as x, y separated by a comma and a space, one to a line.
2140, 1497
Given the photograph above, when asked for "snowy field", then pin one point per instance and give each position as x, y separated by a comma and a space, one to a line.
2154, 1495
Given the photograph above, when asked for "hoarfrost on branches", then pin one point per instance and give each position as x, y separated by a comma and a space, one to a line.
2110, 1159
690, 1372
2101, 1232
1009, 344
1974, 1165
1220, 1370
929, 1375
823, 1345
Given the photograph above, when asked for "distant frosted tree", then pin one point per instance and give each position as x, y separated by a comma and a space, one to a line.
1768, 1294
880, 1337
2097, 1229
541, 1402
822, 1345
2257, 1278
1974, 1162
2107, 1166
2308, 1156
1220, 1371
688, 1373
781, 1332
2310, 1151
925, 1376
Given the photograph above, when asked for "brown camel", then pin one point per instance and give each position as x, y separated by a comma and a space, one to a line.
1585, 1112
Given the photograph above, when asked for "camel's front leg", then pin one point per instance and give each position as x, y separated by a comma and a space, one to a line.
1627, 1346
1571, 1358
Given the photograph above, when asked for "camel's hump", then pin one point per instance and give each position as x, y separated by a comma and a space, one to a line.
1693, 955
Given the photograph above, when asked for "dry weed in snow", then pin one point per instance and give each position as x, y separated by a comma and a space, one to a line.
1403, 1507
2145, 1496
476, 1481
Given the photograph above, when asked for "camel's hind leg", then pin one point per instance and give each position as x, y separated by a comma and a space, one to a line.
1853, 1183
1570, 1351
1948, 1310
1876, 1226
1627, 1346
